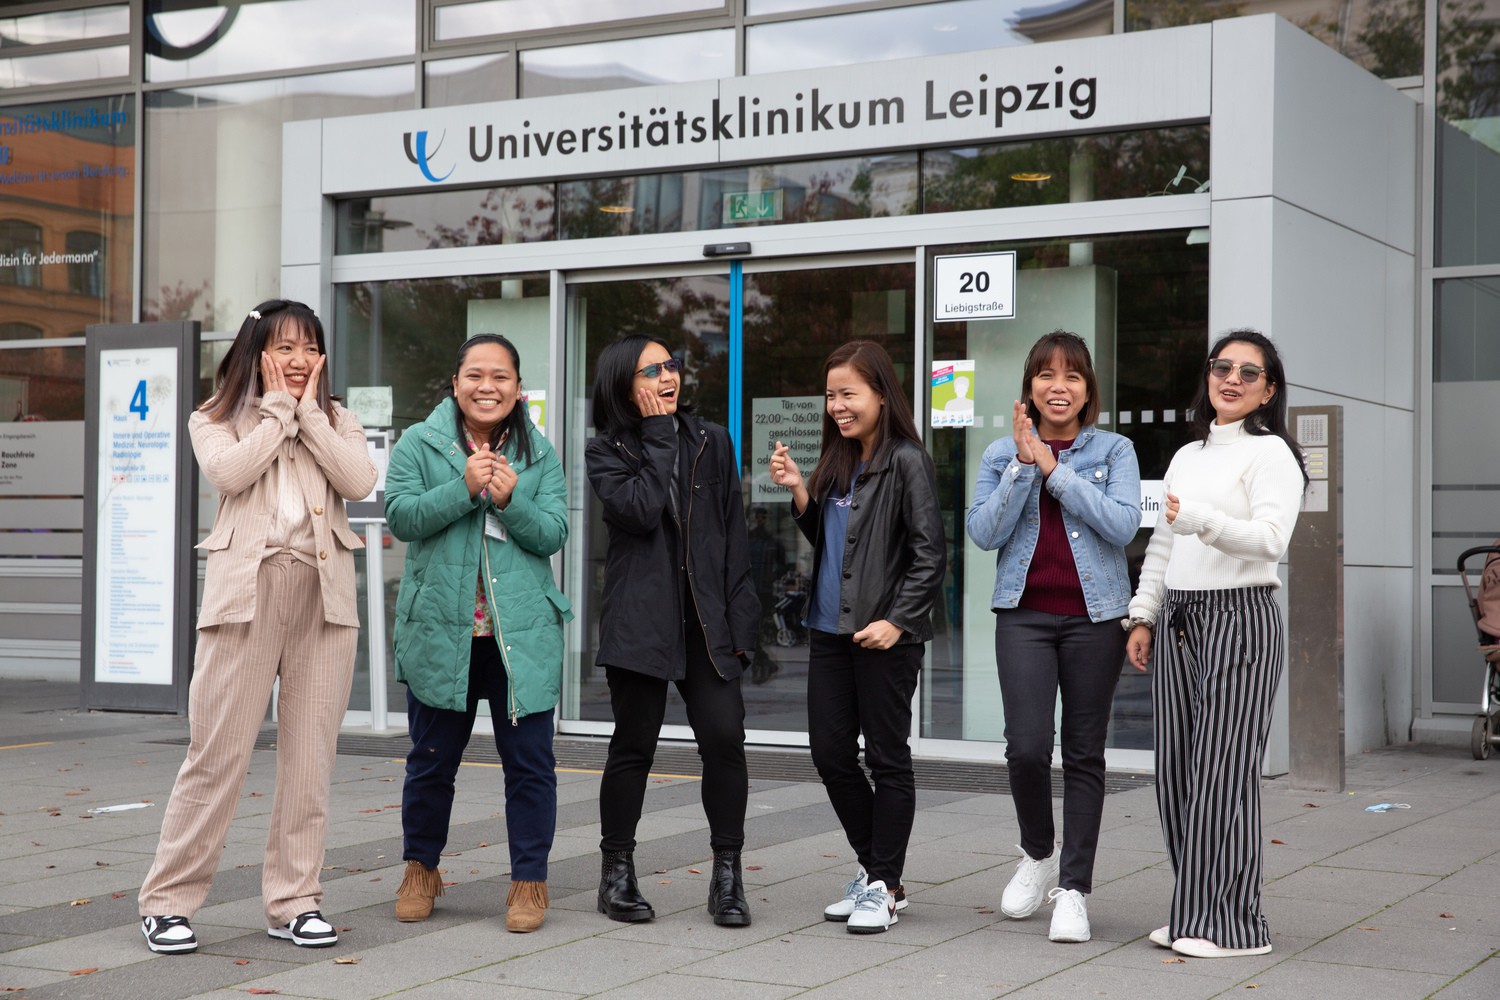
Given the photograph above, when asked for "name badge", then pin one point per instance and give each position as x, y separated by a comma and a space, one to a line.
492, 526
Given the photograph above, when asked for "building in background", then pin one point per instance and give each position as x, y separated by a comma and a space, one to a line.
142, 164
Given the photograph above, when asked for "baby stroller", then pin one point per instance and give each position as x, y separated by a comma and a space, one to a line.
789, 609
1484, 604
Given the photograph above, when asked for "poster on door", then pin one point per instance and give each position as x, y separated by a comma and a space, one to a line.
953, 393
137, 518
797, 422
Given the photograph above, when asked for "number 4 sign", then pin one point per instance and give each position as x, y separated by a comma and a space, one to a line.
974, 286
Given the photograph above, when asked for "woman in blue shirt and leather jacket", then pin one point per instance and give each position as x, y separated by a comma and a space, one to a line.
1060, 499
871, 511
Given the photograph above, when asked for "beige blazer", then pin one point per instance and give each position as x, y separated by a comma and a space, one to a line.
329, 464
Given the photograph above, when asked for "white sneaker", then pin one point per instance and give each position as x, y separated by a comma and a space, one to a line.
1161, 937
852, 892
1204, 948
1070, 916
1029, 885
874, 910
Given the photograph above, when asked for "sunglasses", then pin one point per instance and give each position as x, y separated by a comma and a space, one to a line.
652, 371
1249, 374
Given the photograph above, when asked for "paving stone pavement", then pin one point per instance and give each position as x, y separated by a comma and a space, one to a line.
1401, 904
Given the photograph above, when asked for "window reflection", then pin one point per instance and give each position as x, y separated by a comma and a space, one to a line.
213, 231
496, 17
1468, 134
203, 38
426, 221
1055, 171
85, 263
21, 249
41, 383
471, 80
897, 33
629, 62
65, 67
65, 25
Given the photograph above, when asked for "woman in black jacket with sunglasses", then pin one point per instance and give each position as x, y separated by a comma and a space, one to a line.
679, 605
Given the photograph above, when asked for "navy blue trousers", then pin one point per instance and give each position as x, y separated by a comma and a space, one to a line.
438, 739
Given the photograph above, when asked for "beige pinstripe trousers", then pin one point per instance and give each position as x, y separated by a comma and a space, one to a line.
233, 672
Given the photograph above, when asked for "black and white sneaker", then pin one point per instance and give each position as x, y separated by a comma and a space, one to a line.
169, 935
307, 930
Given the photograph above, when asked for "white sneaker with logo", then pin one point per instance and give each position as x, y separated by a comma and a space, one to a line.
874, 910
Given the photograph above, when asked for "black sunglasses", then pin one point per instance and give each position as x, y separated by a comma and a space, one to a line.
652, 371
1221, 368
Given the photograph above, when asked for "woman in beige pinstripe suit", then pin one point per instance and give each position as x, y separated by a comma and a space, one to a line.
278, 602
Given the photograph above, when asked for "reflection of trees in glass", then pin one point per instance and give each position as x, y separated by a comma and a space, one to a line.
180, 302
1468, 68
506, 215
1055, 171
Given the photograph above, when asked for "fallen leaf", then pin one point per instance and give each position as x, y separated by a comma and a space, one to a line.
660, 871
483, 844
753, 868
242, 961
473, 871
11, 989
347, 960
101, 864
1368, 928
694, 871
344, 930
1309, 805
260, 992
256, 795
1252, 986
445, 884
51, 866
85, 972
985, 911
1446, 916
369, 810
36, 843
1281, 842
830, 855
665, 881
72, 793
376, 878
78, 902
1174, 961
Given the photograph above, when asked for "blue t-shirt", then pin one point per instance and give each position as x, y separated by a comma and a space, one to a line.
824, 612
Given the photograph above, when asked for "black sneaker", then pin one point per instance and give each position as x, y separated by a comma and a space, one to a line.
169, 935
307, 930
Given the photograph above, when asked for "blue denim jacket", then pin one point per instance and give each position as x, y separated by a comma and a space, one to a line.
1098, 483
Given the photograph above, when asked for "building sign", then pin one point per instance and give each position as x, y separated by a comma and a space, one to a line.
797, 422
29, 464
1089, 84
974, 286
137, 526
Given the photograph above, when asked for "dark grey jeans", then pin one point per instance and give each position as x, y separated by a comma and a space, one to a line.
1040, 655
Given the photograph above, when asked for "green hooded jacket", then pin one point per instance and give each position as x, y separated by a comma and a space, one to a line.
428, 506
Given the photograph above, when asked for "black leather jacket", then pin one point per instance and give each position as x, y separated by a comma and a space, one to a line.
644, 607
895, 555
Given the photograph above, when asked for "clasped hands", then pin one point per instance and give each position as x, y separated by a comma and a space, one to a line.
490, 469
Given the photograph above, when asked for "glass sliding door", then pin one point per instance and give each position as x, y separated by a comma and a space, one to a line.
752, 339
1141, 302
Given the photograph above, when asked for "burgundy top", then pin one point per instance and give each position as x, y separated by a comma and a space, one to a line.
1052, 579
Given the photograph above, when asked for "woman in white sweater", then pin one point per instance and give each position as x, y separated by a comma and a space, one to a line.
1205, 590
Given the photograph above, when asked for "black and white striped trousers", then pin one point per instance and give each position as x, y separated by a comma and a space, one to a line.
1217, 658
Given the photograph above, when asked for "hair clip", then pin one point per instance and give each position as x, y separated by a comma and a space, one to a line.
255, 314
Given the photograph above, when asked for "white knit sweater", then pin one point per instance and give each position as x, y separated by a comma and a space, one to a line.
1240, 496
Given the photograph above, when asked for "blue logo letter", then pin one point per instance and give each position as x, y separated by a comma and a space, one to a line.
422, 158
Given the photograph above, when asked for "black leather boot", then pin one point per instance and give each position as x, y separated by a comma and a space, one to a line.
726, 891
619, 898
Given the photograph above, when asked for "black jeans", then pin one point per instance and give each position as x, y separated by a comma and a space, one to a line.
715, 710
851, 690
1040, 654
438, 738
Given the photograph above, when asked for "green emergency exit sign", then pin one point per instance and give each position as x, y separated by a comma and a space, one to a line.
752, 206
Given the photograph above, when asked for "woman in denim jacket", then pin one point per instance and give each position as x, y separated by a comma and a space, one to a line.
1061, 589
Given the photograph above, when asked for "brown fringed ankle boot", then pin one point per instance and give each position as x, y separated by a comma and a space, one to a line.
528, 907
418, 889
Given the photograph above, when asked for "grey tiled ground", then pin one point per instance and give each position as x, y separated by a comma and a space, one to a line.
1396, 905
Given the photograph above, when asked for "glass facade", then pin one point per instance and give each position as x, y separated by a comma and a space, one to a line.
215, 84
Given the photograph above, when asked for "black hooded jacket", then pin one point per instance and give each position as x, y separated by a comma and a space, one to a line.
652, 581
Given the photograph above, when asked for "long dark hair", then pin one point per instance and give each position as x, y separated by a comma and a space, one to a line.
515, 429
237, 381
1075, 354
614, 374
840, 455
1270, 416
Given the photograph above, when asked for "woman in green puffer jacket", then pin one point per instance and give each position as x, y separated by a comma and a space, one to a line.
477, 494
